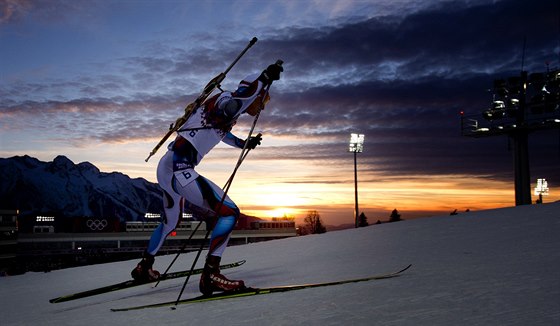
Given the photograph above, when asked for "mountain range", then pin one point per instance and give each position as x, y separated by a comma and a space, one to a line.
66, 189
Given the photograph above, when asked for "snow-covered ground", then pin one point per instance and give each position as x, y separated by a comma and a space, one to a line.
497, 267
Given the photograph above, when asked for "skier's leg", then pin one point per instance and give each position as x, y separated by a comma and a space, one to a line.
204, 197
173, 208
169, 223
225, 216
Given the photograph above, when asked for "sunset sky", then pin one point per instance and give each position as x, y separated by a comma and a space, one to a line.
101, 81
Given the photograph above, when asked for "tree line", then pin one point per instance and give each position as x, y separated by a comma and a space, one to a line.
314, 225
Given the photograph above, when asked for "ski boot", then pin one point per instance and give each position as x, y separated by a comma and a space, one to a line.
143, 271
211, 279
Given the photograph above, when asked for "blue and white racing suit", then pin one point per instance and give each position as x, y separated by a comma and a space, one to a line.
176, 174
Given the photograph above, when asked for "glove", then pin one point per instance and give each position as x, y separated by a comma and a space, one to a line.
254, 141
271, 73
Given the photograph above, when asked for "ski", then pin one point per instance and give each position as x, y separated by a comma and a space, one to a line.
133, 283
259, 291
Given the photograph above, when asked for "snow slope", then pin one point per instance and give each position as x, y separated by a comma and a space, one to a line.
497, 267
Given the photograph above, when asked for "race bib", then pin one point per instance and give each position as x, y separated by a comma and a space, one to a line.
184, 177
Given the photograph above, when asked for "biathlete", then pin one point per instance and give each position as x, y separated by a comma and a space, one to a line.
184, 187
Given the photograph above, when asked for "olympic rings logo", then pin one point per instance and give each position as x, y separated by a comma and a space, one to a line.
96, 225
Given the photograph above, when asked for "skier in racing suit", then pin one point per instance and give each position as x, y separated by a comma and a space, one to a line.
183, 186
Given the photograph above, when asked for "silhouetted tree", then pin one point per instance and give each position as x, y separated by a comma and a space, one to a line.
395, 216
313, 223
362, 220
301, 230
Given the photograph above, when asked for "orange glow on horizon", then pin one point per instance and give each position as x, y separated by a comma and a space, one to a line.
280, 212
266, 188
418, 196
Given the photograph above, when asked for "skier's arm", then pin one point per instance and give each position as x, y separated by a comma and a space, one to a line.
234, 141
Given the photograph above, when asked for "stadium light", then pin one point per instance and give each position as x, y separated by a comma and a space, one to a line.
541, 189
356, 143
356, 146
152, 216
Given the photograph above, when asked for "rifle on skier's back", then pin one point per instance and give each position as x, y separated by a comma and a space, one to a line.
210, 87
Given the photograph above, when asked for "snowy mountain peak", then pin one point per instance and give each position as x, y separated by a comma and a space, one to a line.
62, 160
87, 167
62, 165
25, 160
63, 188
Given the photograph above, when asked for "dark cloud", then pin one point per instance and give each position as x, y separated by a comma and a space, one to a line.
441, 60
445, 40
400, 80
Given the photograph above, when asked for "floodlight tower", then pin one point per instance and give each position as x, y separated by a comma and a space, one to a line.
520, 105
356, 146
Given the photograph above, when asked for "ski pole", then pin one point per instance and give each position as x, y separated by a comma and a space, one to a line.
192, 267
241, 158
219, 207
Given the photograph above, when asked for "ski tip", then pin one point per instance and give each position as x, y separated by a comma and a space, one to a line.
59, 299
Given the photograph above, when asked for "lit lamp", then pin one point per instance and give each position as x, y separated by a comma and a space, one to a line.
541, 189
356, 146
151, 216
